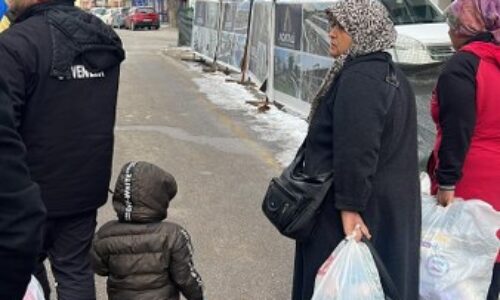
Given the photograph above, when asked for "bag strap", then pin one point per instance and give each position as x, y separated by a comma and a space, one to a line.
390, 290
298, 162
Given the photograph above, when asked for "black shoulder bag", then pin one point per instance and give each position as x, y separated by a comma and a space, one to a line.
293, 199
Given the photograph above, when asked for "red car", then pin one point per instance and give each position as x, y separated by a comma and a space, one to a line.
141, 17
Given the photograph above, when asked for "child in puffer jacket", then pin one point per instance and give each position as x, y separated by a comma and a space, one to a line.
143, 257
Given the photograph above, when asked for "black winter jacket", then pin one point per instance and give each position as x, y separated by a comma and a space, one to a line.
143, 257
21, 209
62, 68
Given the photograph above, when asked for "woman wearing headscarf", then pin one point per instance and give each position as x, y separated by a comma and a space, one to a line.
363, 126
465, 106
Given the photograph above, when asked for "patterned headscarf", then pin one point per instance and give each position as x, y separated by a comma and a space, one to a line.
371, 29
471, 17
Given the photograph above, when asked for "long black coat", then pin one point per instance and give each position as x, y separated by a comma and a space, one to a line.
370, 140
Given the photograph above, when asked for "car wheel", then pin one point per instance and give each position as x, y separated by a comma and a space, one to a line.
156, 27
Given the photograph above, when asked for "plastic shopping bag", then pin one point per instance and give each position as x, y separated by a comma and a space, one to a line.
458, 250
349, 273
34, 291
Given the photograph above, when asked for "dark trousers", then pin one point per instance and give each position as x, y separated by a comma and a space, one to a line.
66, 244
493, 293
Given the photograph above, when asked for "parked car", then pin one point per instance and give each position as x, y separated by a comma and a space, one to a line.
423, 39
141, 17
118, 17
107, 18
99, 12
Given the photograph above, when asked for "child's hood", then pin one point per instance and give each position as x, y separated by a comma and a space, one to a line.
143, 192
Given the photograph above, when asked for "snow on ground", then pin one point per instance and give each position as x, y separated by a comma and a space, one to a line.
282, 129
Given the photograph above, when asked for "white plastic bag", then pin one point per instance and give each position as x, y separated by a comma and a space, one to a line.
34, 291
349, 273
458, 250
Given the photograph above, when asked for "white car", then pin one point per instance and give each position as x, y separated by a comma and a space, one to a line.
107, 18
99, 12
422, 33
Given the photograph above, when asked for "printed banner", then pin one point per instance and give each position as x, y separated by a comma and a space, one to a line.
260, 44
205, 28
301, 52
288, 25
234, 33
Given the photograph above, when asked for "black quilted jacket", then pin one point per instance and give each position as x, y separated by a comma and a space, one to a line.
143, 257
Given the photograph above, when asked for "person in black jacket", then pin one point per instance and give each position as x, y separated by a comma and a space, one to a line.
22, 212
363, 126
62, 67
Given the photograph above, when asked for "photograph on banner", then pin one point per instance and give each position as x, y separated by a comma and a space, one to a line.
241, 18
204, 41
212, 17
196, 42
313, 71
227, 44
211, 42
200, 41
288, 25
287, 71
200, 9
229, 13
259, 41
315, 29
238, 50
234, 33
228, 39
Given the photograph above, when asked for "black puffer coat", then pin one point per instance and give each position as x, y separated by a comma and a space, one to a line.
143, 257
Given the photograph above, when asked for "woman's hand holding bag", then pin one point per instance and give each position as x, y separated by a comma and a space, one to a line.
354, 224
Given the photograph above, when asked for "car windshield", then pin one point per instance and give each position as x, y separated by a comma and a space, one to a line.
145, 10
413, 11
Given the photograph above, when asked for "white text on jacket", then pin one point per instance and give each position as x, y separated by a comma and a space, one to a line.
80, 72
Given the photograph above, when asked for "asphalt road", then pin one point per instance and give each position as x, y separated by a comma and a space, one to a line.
222, 172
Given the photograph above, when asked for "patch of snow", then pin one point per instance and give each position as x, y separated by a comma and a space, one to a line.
285, 130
